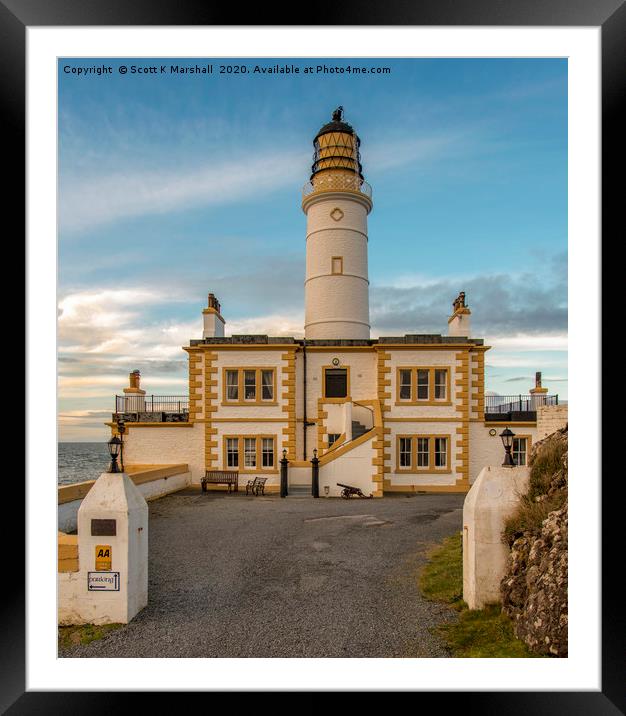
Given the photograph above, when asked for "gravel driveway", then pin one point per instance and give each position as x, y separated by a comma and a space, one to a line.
237, 576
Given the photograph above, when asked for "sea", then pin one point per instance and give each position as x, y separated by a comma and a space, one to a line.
82, 461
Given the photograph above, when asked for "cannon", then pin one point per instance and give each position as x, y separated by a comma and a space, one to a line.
348, 491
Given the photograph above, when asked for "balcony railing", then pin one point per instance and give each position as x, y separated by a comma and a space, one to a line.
337, 182
516, 407
152, 408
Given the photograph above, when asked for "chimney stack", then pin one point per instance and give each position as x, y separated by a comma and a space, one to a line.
134, 379
134, 400
538, 393
459, 321
212, 319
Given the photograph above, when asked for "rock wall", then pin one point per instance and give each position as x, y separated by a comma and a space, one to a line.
534, 588
550, 419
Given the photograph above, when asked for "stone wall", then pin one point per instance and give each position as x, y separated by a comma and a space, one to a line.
550, 418
534, 589
153, 482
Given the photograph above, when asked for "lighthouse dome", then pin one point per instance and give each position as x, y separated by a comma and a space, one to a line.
337, 148
336, 124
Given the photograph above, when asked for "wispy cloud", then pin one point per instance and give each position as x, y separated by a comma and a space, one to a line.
272, 325
530, 379
94, 197
402, 151
104, 334
90, 201
530, 342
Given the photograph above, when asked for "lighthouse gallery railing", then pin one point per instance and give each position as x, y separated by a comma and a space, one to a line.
337, 182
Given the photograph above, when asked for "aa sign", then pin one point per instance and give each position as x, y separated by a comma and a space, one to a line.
103, 557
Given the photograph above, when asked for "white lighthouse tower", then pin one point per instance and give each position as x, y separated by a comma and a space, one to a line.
336, 202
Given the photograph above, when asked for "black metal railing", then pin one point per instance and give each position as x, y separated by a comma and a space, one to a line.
516, 407
517, 403
152, 408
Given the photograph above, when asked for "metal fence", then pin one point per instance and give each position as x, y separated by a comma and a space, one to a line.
151, 404
517, 403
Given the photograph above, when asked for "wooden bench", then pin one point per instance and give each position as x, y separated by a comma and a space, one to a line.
255, 486
349, 490
221, 477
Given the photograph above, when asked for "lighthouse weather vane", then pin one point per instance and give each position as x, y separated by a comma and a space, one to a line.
338, 114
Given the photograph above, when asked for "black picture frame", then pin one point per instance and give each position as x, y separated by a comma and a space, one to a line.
610, 15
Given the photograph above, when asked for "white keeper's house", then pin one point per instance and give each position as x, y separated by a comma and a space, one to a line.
392, 414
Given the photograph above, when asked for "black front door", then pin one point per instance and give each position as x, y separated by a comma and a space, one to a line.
336, 383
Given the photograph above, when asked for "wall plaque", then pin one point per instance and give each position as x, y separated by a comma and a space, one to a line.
103, 528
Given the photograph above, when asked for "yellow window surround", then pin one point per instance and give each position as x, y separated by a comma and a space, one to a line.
326, 399
258, 391
431, 400
431, 469
241, 454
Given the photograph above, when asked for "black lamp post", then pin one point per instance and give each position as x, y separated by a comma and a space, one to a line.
283, 475
315, 475
507, 440
114, 450
121, 429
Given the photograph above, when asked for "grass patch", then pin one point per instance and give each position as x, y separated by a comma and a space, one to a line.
441, 579
478, 633
70, 636
484, 633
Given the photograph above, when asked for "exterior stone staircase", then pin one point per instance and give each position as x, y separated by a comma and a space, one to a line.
358, 429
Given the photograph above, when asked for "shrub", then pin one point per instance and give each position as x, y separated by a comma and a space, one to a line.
547, 488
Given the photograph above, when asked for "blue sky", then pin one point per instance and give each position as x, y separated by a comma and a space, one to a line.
171, 186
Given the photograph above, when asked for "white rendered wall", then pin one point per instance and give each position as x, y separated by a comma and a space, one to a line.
362, 375
299, 475
113, 496
299, 406
267, 429
164, 486
336, 306
166, 445
460, 325
404, 419
68, 511
353, 468
252, 419
334, 421
424, 359
447, 477
491, 499
487, 449
249, 359
67, 515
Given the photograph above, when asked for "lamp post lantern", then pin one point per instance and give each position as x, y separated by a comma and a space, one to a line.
114, 450
507, 440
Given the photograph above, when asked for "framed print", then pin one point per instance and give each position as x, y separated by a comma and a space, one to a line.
165, 151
